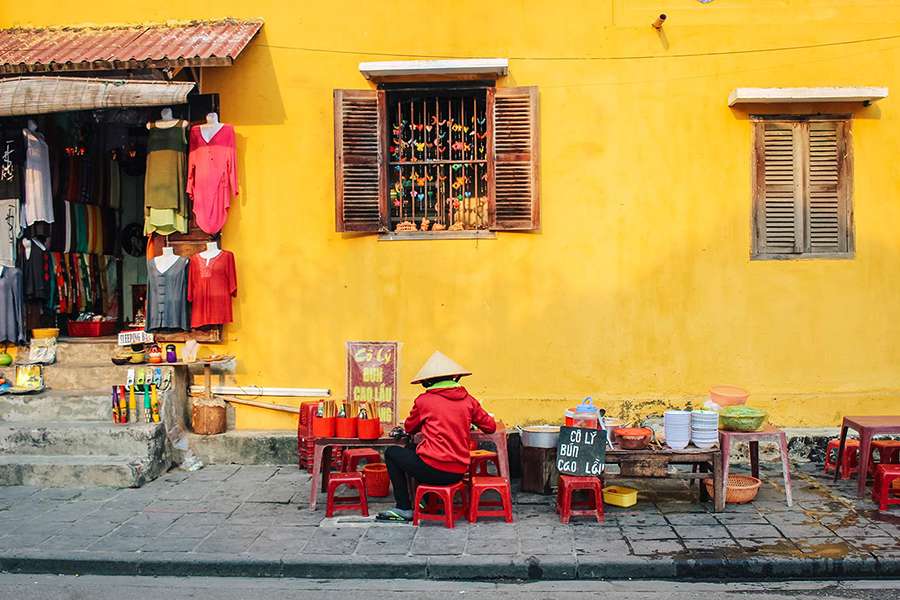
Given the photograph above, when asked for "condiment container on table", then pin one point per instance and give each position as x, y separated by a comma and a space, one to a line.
584, 415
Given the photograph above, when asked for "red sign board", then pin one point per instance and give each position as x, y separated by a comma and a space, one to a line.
372, 376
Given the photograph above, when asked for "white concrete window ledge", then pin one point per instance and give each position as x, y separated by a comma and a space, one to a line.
796, 95
486, 68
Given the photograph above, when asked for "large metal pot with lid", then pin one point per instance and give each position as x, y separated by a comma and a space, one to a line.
539, 436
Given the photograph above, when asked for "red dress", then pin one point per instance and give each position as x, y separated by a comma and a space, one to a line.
211, 285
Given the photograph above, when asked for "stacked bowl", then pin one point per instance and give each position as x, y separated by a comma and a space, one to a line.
678, 428
704, 428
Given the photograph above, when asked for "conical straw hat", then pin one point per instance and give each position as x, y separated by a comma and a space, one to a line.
439, 365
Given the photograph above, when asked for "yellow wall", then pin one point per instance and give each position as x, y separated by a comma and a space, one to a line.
639, 289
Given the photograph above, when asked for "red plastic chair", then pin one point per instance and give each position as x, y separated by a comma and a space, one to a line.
479, 461
358, 502
446, 494
888, 453
883, 492
353, 456
568, 485
480, 485
850, 460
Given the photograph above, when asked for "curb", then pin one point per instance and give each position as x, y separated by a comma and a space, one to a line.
762, 568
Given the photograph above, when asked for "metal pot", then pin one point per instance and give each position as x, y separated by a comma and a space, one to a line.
539, 436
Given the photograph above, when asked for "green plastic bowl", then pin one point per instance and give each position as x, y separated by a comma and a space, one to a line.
741, 418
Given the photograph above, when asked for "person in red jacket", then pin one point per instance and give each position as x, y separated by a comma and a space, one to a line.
444, 415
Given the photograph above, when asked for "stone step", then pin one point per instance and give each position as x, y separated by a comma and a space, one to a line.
84, 350
83, 438
246, 447
62, 405
78, 471
73, 376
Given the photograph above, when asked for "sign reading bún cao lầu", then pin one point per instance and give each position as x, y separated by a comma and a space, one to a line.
581, 452
372, 376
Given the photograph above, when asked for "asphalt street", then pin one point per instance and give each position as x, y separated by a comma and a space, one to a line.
54, 587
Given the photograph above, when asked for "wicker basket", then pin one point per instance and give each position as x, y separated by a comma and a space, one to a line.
741, 489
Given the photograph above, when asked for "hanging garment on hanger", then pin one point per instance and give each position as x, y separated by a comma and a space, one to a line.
12, 163
211, 286
9, 231
38, 187
165, 199
167, 296
212, 177
12, 317
36, 273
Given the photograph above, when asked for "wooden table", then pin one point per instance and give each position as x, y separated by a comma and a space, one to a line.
867, 427
654, 463
322, 455
753, 438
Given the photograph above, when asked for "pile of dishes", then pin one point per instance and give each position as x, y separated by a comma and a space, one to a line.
678, 428
704, 428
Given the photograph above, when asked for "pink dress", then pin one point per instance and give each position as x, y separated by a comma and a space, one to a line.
212, 177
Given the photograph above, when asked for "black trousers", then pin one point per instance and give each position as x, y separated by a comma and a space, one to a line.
404, 462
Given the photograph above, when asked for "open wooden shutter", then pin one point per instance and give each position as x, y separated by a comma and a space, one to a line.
778, 188
359, 173
828, 187
515, 192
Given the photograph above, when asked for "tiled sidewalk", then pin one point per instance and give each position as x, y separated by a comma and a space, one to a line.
253, 521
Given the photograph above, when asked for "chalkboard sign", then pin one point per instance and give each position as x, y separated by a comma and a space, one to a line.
581, 452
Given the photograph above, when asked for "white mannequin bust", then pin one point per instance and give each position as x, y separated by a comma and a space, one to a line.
26, 244
212, 126
212, 251
165, 260
167, 120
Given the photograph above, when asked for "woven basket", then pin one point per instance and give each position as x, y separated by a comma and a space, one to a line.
741, 489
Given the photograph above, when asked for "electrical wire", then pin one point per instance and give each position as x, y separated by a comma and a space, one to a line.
592, 58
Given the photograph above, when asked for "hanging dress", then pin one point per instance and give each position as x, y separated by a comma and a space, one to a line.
212, 177
165, 199
167, 296
211, 286
12, 317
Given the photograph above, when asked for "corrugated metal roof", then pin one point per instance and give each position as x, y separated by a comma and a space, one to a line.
198, 44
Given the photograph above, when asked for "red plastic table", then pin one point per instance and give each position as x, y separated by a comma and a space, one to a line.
867, 427
753, 438
322, 455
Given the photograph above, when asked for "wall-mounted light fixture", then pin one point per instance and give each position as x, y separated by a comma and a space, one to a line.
658, 23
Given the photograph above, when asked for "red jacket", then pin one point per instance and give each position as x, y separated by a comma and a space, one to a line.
445, 417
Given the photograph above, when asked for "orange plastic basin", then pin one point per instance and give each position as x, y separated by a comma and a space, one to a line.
728, 395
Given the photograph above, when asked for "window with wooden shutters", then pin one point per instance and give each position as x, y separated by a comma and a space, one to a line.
414, 159
802, 188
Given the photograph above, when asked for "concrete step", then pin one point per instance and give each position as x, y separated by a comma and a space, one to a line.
61, 405
246, 447
73, 376
84, 350
84, 438
78, 471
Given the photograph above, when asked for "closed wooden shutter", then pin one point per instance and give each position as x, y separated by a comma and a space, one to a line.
827, 224
778, 189
515, 192
359, 171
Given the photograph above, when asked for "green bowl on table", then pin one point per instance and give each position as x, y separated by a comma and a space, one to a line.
741, 418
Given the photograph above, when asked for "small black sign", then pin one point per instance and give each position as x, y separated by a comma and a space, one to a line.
581, 452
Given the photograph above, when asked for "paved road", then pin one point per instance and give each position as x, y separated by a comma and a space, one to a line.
51, 587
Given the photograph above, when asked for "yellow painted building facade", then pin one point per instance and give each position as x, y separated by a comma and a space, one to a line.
639, 289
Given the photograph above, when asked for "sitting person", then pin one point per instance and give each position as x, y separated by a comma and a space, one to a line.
444, 415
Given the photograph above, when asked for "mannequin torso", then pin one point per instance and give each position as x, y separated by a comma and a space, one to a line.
165, 261
212, 126
166, 121
212, 251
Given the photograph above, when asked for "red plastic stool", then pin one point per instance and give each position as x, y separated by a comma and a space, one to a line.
882, 491
888, 453
568, 485
358, 502
479, 461
850, 460
446, 493
353, 456
481, 485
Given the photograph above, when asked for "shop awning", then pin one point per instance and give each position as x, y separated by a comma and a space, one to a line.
194, 44
463, 68
37, 95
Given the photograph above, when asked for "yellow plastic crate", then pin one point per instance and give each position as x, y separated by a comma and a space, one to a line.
619, 495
